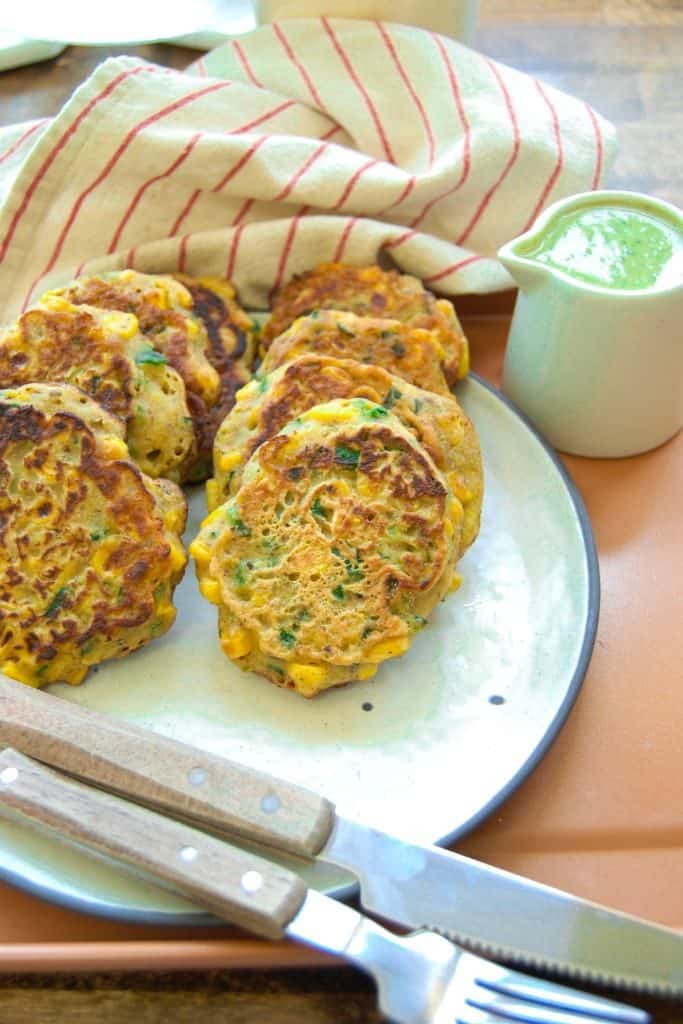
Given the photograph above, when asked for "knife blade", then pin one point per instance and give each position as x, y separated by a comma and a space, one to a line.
483, 907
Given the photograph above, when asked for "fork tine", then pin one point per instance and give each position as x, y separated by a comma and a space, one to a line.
497, 992
550, 995
527, 1013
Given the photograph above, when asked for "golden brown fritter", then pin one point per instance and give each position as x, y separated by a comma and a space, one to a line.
340, 540
105, 355
90, 551
231, 353
163, 307
268, 403
407, 352
373, 292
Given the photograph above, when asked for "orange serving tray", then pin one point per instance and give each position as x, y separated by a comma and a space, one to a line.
601, 815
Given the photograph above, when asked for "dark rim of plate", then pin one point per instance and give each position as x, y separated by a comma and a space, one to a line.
100, 908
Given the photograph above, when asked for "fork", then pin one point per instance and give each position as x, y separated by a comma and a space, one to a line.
422, 978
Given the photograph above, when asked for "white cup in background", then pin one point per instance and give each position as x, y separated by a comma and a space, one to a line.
454, 18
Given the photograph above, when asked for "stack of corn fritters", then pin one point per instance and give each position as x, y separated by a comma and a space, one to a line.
111, 391
347, 481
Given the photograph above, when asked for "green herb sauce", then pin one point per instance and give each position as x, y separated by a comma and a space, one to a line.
615, 247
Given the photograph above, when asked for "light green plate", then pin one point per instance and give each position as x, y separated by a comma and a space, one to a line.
425, 750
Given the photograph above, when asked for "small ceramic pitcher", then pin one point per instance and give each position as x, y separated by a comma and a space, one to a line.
596, 364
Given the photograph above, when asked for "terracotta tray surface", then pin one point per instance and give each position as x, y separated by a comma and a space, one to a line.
601, 815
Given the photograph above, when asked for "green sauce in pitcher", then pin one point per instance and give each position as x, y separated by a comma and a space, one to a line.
610, 246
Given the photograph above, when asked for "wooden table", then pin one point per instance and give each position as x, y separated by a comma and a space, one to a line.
602, 815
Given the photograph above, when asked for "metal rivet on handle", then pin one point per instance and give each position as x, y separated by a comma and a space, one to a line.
9, 774
196, 776
270, 803
251, 881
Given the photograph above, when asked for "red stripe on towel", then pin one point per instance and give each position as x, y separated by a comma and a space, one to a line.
286, 45
111, 163
243, 160
405, 192
467, 134
287, 248
244, 210
201, 68
184, 212
182, 253
22, 138
240, 164
372, 110
350, 185
57, 148
598, 147
248, 125
341, 245
400, 240
451, 270
181, 158
244, 61
389, 43
559, 162
516, 142
296, 177
232, 255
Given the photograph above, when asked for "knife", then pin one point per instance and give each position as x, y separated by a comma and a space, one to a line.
484, 908
421, 978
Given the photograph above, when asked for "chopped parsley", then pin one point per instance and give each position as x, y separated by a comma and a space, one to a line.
318, 509
346, 456
238, 525
286, 638
338, 592
377, 412
150, 355
57, 602
241, 573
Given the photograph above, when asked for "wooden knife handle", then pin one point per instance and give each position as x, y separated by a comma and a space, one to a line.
163, 773
234, 884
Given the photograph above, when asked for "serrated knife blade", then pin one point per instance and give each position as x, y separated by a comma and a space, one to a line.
504, 915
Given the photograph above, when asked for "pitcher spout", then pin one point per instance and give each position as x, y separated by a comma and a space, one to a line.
525, 272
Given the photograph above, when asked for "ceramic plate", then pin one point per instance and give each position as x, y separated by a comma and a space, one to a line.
425, 750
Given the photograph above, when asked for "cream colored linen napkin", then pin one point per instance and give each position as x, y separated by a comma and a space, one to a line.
305, 140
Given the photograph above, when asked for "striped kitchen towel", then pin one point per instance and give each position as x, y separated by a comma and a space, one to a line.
305, 140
